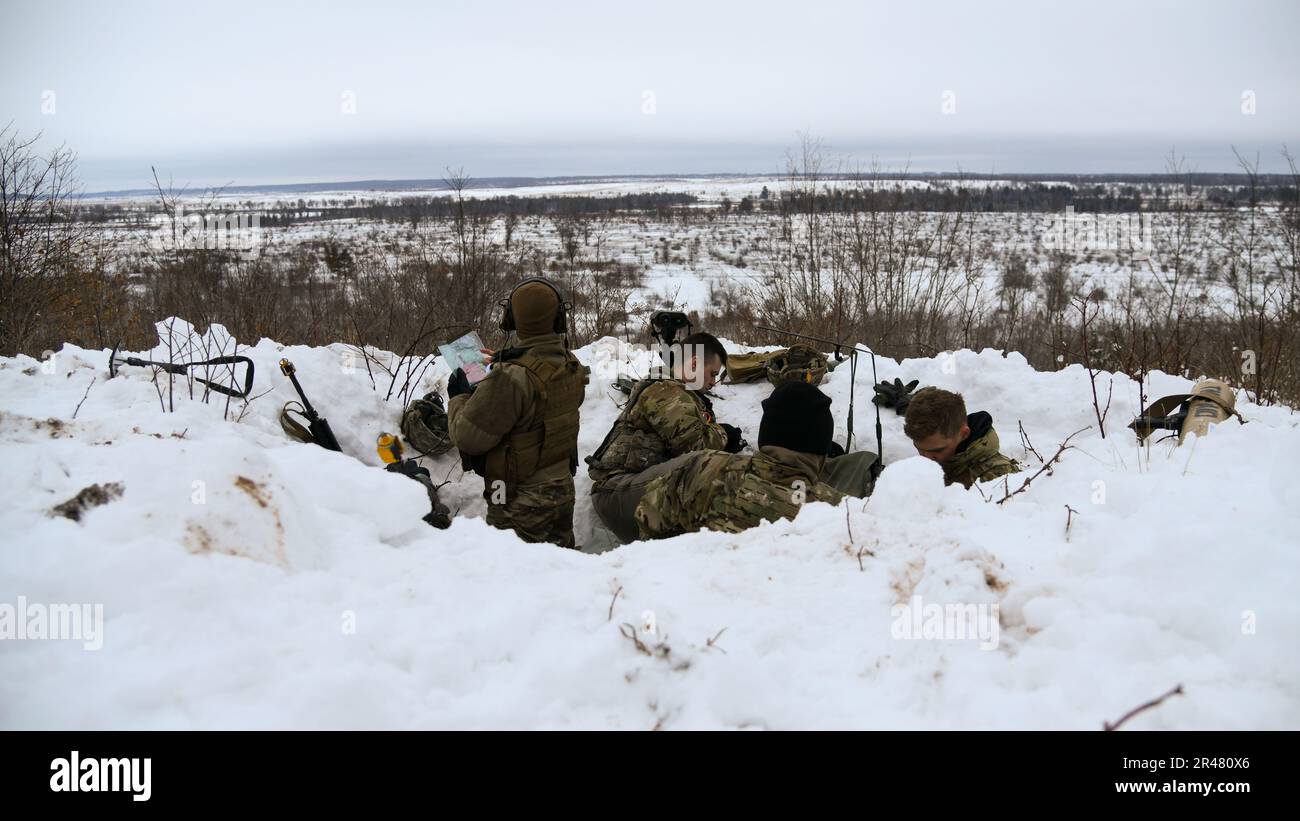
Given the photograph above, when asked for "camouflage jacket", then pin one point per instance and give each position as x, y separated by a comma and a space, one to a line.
504, 402
977, 458
662, 419
732, 492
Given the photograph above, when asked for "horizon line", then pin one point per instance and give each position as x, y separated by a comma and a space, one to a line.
518, 181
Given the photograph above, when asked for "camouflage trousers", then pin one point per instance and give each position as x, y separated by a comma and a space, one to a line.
537, 513
851, 473
616, 498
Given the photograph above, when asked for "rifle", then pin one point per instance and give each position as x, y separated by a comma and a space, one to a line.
854, 350
180, 369
317, 429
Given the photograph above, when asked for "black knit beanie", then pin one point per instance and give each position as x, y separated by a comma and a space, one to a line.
797, 416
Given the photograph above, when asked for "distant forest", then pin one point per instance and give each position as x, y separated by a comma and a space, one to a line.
1092, 193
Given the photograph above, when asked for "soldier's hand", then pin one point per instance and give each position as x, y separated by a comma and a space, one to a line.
735, 440
895, 395
458, 383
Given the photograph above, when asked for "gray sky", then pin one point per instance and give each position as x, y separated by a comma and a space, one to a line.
257, 93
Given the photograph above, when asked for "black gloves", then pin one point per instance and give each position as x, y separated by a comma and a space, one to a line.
409, 468
896, 395
735, 441
458, 383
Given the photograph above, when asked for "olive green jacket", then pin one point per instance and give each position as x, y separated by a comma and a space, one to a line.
977, 458
505, 401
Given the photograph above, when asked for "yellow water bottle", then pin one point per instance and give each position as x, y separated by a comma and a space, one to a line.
389, 447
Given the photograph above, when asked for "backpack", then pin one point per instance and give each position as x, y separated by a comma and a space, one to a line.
424, 424
748, 367
1210, 402
798, 363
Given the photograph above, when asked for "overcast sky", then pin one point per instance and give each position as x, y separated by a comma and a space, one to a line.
287, 92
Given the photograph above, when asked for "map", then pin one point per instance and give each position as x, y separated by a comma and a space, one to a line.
466, 353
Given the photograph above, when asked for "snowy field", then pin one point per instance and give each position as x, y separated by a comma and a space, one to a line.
248, 581
682, 262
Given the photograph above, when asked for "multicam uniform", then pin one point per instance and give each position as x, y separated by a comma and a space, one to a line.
663, 420
731, 492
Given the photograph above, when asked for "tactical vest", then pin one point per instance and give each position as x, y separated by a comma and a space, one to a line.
618, 429
552, 436
628, 448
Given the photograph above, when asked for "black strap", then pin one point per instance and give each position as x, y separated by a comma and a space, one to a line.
180, 369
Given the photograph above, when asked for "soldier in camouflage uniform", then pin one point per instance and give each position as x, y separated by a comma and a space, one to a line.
663, 420
965, 446
733, 492
518, 428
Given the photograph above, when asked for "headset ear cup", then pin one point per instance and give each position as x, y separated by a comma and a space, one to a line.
507, 316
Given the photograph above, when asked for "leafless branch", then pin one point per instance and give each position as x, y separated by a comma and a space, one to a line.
713, 642
612, 599
1029, 446
862, 551
1047, 466
84, 395
1069, 519
1155, 702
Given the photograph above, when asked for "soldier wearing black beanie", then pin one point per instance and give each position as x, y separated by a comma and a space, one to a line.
797, 416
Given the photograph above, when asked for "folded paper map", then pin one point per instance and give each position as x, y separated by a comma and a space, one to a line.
465, 353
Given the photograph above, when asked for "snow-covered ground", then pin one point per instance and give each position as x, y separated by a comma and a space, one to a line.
248, 581
679, 261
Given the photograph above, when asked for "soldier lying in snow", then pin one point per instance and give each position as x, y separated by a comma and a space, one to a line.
965, 446
732, 492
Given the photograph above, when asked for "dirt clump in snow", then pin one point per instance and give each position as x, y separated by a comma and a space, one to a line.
88, 497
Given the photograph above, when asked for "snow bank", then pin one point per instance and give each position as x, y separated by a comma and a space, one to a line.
248, 581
